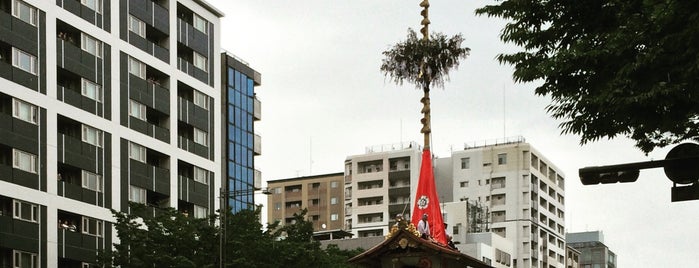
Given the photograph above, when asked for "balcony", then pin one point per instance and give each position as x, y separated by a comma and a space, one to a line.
77, 192
193, 38
193, 191
150, 93
192, 114
74, 6
71, 57
15, 233
160, 133
17, 133
257, 108
75, 98
150, 47
18, 33
19, 177
75, 152
257, 175
192, 147
152, 13
188, 68
149, 177
78, 246
257, 148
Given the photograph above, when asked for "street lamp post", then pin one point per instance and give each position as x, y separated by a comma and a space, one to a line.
224, 195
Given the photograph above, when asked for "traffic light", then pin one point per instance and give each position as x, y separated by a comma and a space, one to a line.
605, 175
425, 4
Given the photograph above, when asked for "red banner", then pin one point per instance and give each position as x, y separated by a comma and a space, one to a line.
427, 201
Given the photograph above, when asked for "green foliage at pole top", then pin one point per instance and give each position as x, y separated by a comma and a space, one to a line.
423, 62
617, 67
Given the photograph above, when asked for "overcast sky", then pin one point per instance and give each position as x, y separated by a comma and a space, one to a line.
324, 98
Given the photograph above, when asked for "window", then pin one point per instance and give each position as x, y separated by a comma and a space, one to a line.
463, 184
137, 194
92, 181
333, 201
25, 211
24, 60
92, 226
200, 61
24, 259
24, 111
200, 212
137, 26
199, 23
278, 206
24, 11
333, 184
137, 68
137, 110
333, 217
24, 161
137, 152
465, 163
91, 45
502, 159
95, 5
201, 137
278, 190
201, 175
92, 136
201, 100
91, 90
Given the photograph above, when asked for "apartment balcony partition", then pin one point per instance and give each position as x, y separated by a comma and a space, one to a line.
150, 47
192, 114
192, 38
154, 14
72, 58
73, 151
193, 147
18, 234
150, 93
79, 246
192, 191
149, 129
149, 177
18, 33
19, 134
99, 19
77, 192
74, 97
187, 67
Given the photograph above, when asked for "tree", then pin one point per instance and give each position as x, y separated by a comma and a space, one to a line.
616, 67
424, 62
171, 239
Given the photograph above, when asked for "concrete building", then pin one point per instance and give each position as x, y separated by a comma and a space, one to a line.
572, 257
593, 252
379, 185
515, 192
105, 102
322, 195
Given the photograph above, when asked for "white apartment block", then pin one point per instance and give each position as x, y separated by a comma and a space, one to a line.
521, 197
378, 186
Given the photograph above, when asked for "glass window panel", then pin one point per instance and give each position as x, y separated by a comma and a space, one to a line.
24, 61
200, 23
24, 12
91, 90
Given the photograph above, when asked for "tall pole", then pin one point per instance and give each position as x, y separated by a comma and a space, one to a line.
426, 125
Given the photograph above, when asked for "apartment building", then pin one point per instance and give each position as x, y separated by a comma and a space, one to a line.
241, 109
512, 190
103, 102
593, 253
322, 195
379, 185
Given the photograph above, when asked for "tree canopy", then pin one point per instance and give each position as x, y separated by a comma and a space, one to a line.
171, 239
613, 67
